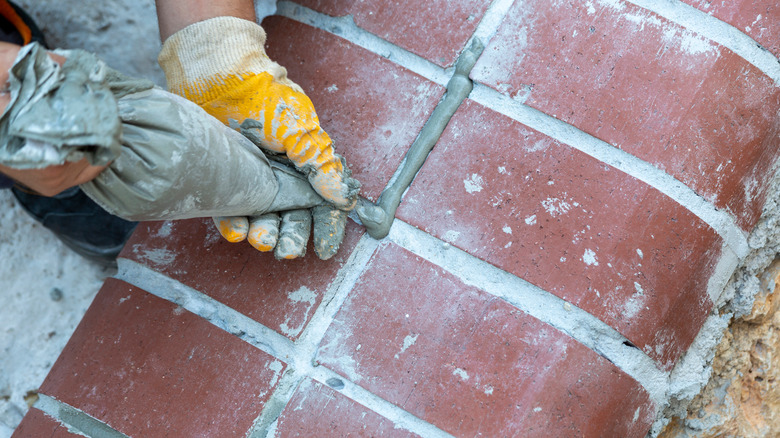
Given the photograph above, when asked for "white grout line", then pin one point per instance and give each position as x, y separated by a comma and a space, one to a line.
542, 305
721, 274
307, 343
315, 331
335, 296
207, 308
716, 30
401, 419
491, 21
273, 408
346, 28
75, 420
722, 222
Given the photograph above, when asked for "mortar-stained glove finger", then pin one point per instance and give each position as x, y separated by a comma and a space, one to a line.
234, 229
221, 65
293, 234
264, 232
328, 225
287, 233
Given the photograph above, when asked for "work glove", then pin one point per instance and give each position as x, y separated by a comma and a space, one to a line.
168, 158
221, 65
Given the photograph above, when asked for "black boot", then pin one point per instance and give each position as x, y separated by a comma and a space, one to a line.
79, 222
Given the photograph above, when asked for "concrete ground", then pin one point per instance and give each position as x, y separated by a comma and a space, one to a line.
45, 289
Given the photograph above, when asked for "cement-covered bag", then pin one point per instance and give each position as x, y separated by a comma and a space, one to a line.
169, 159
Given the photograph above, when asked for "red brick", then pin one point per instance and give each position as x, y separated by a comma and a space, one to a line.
629, 77
569, 224
759, 19
36, 424
148, 368
470, 363
318, 411
372, 108
436, 29
282, 295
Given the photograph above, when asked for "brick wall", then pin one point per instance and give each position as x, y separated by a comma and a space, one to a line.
552, 261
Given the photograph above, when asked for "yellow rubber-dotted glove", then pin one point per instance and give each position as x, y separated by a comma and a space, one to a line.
221, 65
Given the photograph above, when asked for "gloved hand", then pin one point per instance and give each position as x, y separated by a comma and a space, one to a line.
166, 157
221, 65
286, 229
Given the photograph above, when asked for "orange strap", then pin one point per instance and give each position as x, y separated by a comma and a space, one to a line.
9, 13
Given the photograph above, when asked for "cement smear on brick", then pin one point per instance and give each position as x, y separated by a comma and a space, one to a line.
723, 223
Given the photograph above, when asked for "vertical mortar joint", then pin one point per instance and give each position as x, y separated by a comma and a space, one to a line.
378, 218
75, 420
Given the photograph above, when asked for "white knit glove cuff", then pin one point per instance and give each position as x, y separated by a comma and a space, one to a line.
209, 51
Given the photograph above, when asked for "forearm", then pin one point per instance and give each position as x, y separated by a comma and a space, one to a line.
8, 54
52, 180
174, 15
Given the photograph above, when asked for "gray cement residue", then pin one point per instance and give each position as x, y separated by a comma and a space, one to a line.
293, 234
335, 383
329, 226
75, 420
717, 30
378, 218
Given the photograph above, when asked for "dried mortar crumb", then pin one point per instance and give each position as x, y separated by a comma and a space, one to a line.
742, 397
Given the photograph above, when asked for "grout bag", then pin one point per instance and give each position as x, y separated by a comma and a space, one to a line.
168, 158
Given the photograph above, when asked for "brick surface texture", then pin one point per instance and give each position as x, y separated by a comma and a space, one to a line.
583, 231
436, 30
200, 337
627, 76
469, 362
